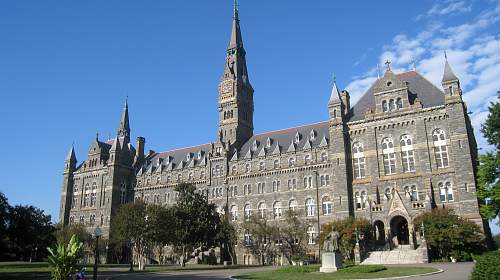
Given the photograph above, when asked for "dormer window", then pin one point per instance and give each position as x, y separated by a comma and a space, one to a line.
167, 160
269, 142
297, 138
385, 106
188, 157
312, 135
399, 103
199, 155
255, 145
392, 105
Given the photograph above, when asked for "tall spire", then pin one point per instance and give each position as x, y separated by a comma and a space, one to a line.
71, 154
335, 95
124, 128
236, 40
448, 74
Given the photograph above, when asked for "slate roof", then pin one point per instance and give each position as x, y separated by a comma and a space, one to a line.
419, 86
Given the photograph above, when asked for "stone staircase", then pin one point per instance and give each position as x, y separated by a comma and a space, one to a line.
401, 255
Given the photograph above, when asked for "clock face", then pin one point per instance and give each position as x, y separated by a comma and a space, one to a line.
227, 87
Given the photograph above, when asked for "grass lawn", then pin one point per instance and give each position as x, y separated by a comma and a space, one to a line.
353, 272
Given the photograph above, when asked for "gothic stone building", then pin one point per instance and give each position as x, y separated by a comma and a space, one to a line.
404, 148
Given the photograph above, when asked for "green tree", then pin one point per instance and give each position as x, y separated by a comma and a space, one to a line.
258, 237
449, 235
63, 234
194, 222
489, 167
135, 223
293, 233
227, 237
64, 259
4, 221
29, 230
347, 229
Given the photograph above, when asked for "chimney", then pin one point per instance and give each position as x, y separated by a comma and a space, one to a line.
139, 152
346, 101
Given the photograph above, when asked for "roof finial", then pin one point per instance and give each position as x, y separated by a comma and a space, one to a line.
334, 78
445, 55
97, 136
388, 64
235, 15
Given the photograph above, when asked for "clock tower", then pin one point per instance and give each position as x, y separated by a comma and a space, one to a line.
235, 92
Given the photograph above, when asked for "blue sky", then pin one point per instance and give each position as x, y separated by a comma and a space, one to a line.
67, 66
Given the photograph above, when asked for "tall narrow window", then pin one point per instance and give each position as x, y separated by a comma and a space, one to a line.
359, 160
262, 210
262, 166
364, 199
407, 157
357, 197
399, 103
324, 157
310, 207
440, 148
327, 206
412, 192
385, 107
308, 182
389, 156
307, 159
248, 212
445, 192
292, 205
234, 213
291, 162
392, 105
311, 233
277, 210
276, 164
388, 193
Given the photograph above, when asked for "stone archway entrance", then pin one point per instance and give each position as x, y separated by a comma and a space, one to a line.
379, 232
399, 231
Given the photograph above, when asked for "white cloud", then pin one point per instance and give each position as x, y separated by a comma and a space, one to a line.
445, 8
473, 54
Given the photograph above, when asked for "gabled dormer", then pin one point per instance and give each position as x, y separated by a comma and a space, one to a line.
391, 93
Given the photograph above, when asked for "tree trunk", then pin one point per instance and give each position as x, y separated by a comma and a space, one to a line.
183, 257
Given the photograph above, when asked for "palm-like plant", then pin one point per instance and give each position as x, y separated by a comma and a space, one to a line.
64, 259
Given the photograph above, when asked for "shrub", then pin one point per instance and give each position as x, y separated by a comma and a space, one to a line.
487, 266
449, 235
347, 228
64, 259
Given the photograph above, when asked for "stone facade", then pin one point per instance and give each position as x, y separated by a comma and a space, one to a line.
403, 149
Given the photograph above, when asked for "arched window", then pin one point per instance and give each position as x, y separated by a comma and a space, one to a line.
276, 185
399, 103
262, 166
326, 205
324, 157
392, 105
248, 211
276, 164
291, 162
411, 192
247, 168
389, 156
307, 159
385, 107
388, 193
310, 207
277, 210
86, 197
292, 205
233, 169
440, 148
234, 213
308, 182
445, 192
190, 176
358, 160
407, 157
262, 210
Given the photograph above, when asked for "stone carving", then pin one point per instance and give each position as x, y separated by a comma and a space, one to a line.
331, 243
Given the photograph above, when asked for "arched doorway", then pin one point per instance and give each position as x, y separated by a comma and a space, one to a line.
399, 231
379, 232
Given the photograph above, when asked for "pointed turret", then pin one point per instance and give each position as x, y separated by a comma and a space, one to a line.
71, 154
450, 83
448, 74
335, 95
124, 128
236, 40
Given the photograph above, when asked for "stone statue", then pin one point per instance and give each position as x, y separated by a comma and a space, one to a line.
331, 243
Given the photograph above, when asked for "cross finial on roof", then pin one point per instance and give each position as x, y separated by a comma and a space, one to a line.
388, 64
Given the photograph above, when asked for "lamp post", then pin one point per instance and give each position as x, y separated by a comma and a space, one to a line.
97, 234
317, 210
